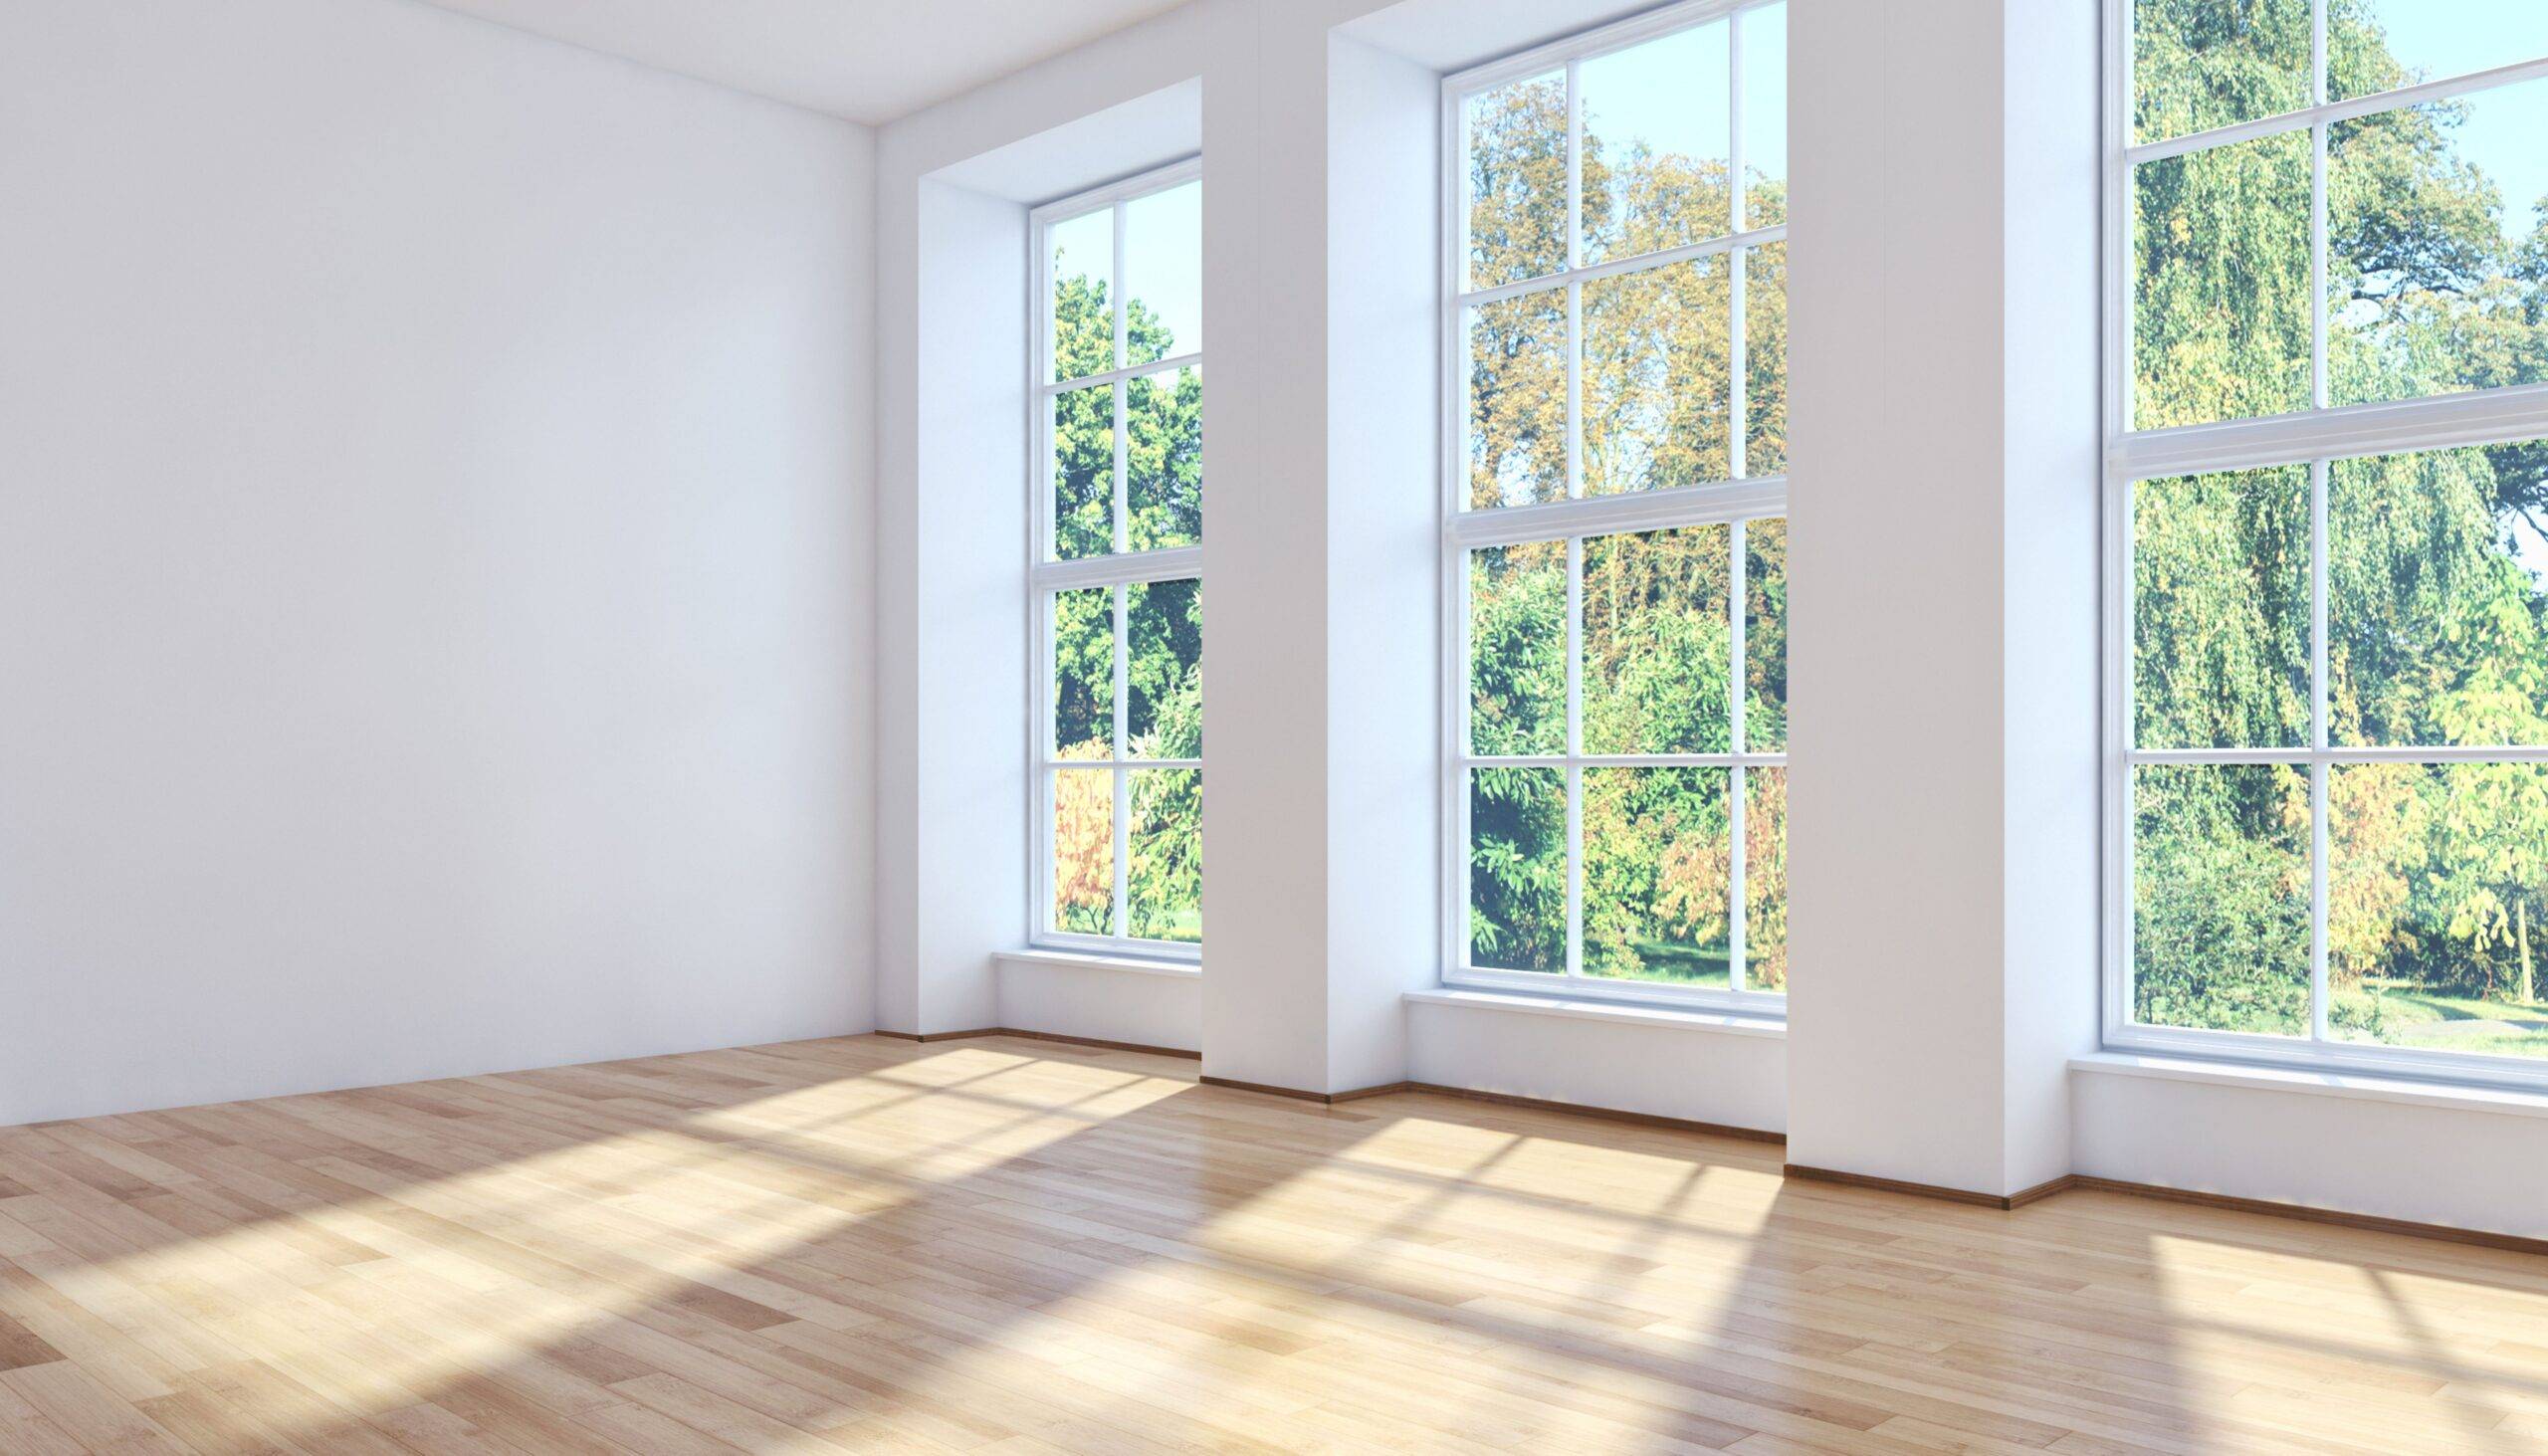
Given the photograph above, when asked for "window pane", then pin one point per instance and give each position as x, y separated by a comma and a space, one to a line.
1765, 636
1657, 641
2437, 267
1079, 315
1657, 125
2221, 897
1764, 879
1765, 353
1763, 43
1517, 180
2434, 597
1164, 887
1164, 468
1163, 273
1517, 400
1083, 473
2221, 610
1657, 378
1517, 649
2201, 63
1164, 675
1658, 868
1083, 850
2381, 44
2435, 876
1517, 869
2220, 282
1084, 673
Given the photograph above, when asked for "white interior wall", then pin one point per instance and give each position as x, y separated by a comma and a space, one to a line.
434, 555
1139, 1004
2426, 1155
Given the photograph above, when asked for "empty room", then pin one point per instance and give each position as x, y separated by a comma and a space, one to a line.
1875, 671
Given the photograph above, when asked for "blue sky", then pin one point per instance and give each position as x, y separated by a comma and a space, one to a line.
2506, 134
1162, 256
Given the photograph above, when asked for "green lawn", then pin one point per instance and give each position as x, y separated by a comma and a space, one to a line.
2415, 1017
1664, 962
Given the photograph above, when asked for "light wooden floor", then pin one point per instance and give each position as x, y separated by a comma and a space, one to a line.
1010, 1246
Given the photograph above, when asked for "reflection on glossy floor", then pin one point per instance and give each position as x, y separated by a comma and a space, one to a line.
1012, 1246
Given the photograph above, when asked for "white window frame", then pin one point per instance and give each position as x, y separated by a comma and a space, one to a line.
1732, 503
1119, 570
2316, 436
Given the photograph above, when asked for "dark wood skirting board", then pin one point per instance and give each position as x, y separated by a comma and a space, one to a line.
1805, 1174
2369, 1223
2337, 1218
1605, 1113
1055, 1036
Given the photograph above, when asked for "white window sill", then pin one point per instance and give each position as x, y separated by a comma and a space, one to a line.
1689, 1019
2316, 1084
1087, 960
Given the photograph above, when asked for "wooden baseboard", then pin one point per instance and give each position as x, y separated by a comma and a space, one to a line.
1323, 1099
1053, 1036
1600, 1114
2367, 1222
1803, 1174
2229, 1202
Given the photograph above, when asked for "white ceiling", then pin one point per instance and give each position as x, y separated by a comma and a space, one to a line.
868, 60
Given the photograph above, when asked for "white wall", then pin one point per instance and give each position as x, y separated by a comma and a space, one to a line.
1148, 1006
2461, 1159
1943, 364
435, 552
1733, 1078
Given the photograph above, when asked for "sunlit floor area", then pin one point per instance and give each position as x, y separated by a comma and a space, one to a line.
1014, 1246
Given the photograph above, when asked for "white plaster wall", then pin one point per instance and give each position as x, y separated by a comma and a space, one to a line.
434, 555
2461, 1167
1151, 1009
1734, 1081
1895, 802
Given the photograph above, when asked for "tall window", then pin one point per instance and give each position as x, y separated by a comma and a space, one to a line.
1117, 565
2327, 583
1615, 581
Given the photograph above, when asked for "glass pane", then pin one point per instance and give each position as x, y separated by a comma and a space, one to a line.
1164, 887
1517, 649
1164, 675
1163, 273
1517, 180
2435, 876
1084, 851
1517, 869
2435, 597
2201, 63
1765, 360
2381, 44
1765, 636
1658, 866
1163, 465
1657, 121
1084, 673
2221, 897
1517, 401
1657, 378
2221, 610
1764, 879
2437, 264
1762, 42
2220, 282
1083, 473
1657, 641
1079, 315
